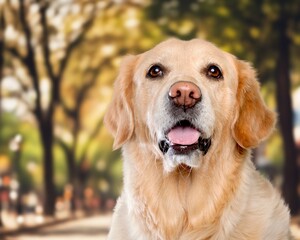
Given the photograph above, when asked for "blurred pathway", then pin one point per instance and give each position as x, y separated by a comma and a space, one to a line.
91, 228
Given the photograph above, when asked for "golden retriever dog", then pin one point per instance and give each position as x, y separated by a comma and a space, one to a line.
187, 115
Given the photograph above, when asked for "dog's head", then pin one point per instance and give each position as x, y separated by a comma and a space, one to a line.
182, 97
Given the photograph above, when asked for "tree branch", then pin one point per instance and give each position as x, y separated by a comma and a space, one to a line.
74, 112
18, 95
30, 59
90, 139
62, 144
24, 86
73, 44
15, 53
87, 86
67, 110
45, 41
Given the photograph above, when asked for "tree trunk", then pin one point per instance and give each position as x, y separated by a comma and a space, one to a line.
44, 117
290, 170
72, 178
46, 133
1, 76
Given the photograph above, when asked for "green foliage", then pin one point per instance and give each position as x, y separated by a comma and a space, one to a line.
274, 150
9, 128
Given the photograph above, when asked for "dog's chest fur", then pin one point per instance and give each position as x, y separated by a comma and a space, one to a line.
195, 205
173, 206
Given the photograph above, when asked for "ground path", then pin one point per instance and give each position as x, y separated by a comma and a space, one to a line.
90, 228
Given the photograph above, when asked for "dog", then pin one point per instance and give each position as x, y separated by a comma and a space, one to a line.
187, 115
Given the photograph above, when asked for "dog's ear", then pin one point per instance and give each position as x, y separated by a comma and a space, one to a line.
253, 120
119, 118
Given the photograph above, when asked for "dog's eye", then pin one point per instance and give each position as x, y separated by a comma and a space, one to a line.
155, 71
214, 72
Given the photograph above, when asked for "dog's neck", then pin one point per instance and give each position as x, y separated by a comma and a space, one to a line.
184, 198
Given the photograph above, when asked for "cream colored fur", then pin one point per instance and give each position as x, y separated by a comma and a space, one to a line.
222, 196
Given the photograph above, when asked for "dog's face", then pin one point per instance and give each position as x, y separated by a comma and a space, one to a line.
183, 97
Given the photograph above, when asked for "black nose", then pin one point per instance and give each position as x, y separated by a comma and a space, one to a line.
185, 94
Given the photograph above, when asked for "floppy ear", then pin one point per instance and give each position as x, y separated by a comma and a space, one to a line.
119, 117
254, 121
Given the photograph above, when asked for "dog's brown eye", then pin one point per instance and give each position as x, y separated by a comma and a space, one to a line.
155, 71
214, 72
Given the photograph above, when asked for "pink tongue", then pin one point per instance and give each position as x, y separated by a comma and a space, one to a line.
183, 135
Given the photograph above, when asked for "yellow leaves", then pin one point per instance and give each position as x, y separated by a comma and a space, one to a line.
267, 89
254, 32
131, 19
93, 110
271, 10
4, 163
146, 43
63, 133
101, 165
274, 149
296, 38
183, 27
230, 32
108, 50
11, 34
295, 79
223, 11
103, 185
116, 21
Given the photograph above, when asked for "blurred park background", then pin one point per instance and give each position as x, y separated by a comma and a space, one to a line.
58, 61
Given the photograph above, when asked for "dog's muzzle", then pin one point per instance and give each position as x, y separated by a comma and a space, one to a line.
183, 137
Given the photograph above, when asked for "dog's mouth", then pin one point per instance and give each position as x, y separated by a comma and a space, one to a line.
183, 138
